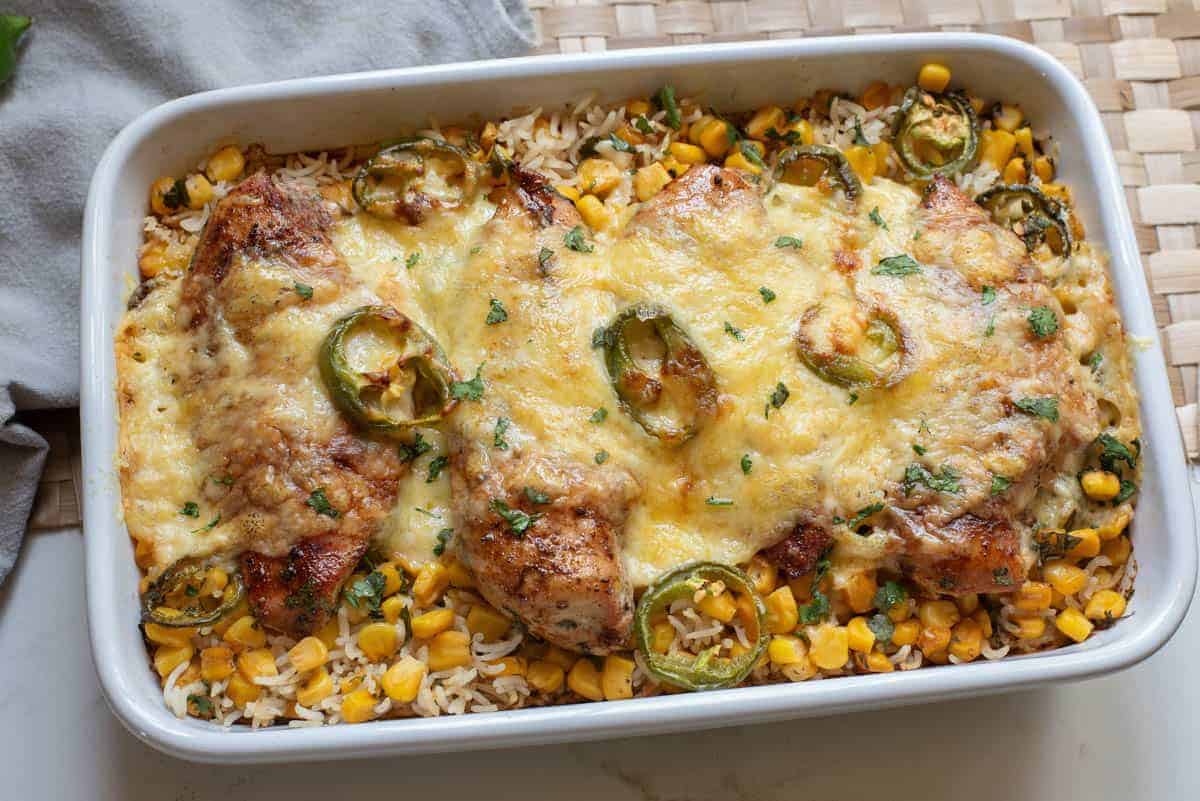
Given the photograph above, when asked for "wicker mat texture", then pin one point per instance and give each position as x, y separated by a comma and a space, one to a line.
1140, 59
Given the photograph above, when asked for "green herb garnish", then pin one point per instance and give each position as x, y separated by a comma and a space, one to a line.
574, 239
767, 294
1039, 407
896, 266
1042, 321
436, 466
518, 521
789, 242
320, 504
190, 509
497, 313
736, 333
877, 219
303, 290
468, 390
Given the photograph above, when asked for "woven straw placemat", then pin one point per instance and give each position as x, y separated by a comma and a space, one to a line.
1140, 59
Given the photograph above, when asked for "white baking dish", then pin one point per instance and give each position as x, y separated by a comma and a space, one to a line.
326, 112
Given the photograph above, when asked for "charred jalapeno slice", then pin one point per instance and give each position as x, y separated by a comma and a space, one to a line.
935, 134
813, 165
1031, 215
385, 372
412, 178
706, 670
661, 377
845, 347
175, 600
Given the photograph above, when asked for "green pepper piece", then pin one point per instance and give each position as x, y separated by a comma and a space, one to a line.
177, 577
809, 165
886, 346
935, 134
405, 380
413, 177
1031, 215
705, 671
661, 378
11, 28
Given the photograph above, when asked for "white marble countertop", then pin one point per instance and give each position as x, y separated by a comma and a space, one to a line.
1132, 735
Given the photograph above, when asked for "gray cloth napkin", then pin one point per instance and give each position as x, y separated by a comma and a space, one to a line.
86, 69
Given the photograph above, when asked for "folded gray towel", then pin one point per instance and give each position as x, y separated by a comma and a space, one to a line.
88, 67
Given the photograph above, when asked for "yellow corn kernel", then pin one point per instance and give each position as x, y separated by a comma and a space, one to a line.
900, 612
829, 647
862, 160
763, 576
1100, 485
358, 706
1008, 117
432, 623
215, 581
545, 677
738, 161
593, 212
1113, 528
257, 663
1118, 550
169, 635
1064, 576
1015, 172
226, 164
569, 192
906, 633
431, 581
966, 640
1033, 596
649, 181
881, 151
1105, 605
747, 614
1087, 543
616, 679
722, 607
350, 683
803, 130
584, 680
402, 681
169, 657
1057, 599
938, 613
318, 687
561, 657
392, 581
996, 147
158, 192
859, 635
1030, 628
222, 626
674, 166
1057, 192
967, 604
933, 639
687, 154
934, 77
1043, 167
782, 614
450, 649
199, 191
1072, 623
378, 641
242, 691
1024, 137
786, 649
984, 620
308, 654
875, 95
216, 663
877, 662
662, 634
715, 138
485, 620
246, 631
639, 107
328, 634
391, 608
767, 118
696, 128
860, 591
509, 666
460, 576
598, 176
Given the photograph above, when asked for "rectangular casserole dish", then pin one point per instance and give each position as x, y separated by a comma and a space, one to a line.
327, 112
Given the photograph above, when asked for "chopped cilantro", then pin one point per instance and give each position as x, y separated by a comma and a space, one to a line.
190, 509
443, 537
991, 327
418, 447
891, 594
574, 239
496, 313
778, 397
877, 219
989, 296
436, 466
643, 125
815, 610
498, 440
1042, 321
1125, 493
599, 416
789, 242
209, 526
203, 703
747, 464
736, 333
946, 480
713, 500
536, 496
303, 290
468, 390
545, 260
896, 266
518, 521
1039, 407
1112, 450
619, 144
665, 100
767, 294
862, 514
852, 399
1051, 544
367, 592
601, 456
412, 260
751, 155
919, 450
859, 138
320, 504
882, 627
1095, 360
1000, 484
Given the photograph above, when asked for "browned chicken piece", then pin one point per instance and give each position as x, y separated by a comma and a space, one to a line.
967, 555
690, 199
798, 554
301, 490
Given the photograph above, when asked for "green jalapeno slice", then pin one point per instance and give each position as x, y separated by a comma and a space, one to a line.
385, 372
706, 670
812, 165
1031, 215
174, 598
412, 178
834, 345
935, 134
661, 378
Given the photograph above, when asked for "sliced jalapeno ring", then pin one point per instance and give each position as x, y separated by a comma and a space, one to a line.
812, 165
410, 179
707, 670
936, 134
834, 346
661, 378
1031, 215
180, 583
385, 372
